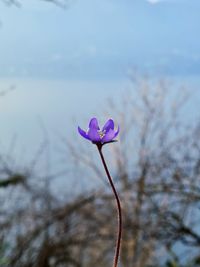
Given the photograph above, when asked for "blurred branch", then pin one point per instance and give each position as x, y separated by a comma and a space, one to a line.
13, 180
18, 3
8, 90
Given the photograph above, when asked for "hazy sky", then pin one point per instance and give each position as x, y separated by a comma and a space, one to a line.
100, 39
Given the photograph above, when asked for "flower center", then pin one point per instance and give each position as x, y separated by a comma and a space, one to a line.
101, 133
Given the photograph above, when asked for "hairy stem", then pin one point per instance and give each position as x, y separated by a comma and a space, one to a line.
118, 243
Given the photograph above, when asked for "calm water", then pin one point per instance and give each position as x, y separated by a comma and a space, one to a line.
36, 109
60, 105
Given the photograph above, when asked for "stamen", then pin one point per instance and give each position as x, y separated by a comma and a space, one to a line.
101, 133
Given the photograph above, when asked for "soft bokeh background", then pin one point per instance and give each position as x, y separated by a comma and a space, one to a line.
62, 65
62, 61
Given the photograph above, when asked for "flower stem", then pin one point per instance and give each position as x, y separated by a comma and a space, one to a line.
118, 243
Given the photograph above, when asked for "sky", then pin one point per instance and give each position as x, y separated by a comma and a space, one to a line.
100, 39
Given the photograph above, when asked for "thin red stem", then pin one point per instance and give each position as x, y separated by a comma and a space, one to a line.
117, 249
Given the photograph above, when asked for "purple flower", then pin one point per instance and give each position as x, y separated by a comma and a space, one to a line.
97, 135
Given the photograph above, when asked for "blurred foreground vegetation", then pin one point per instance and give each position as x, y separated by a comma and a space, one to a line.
156, 168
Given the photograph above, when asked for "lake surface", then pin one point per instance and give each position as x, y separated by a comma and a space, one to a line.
60, 105
35, 108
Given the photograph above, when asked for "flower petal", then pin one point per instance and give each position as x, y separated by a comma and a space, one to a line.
94, 135
116, 133
94, 124
108, 125
83, 133
110, 135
